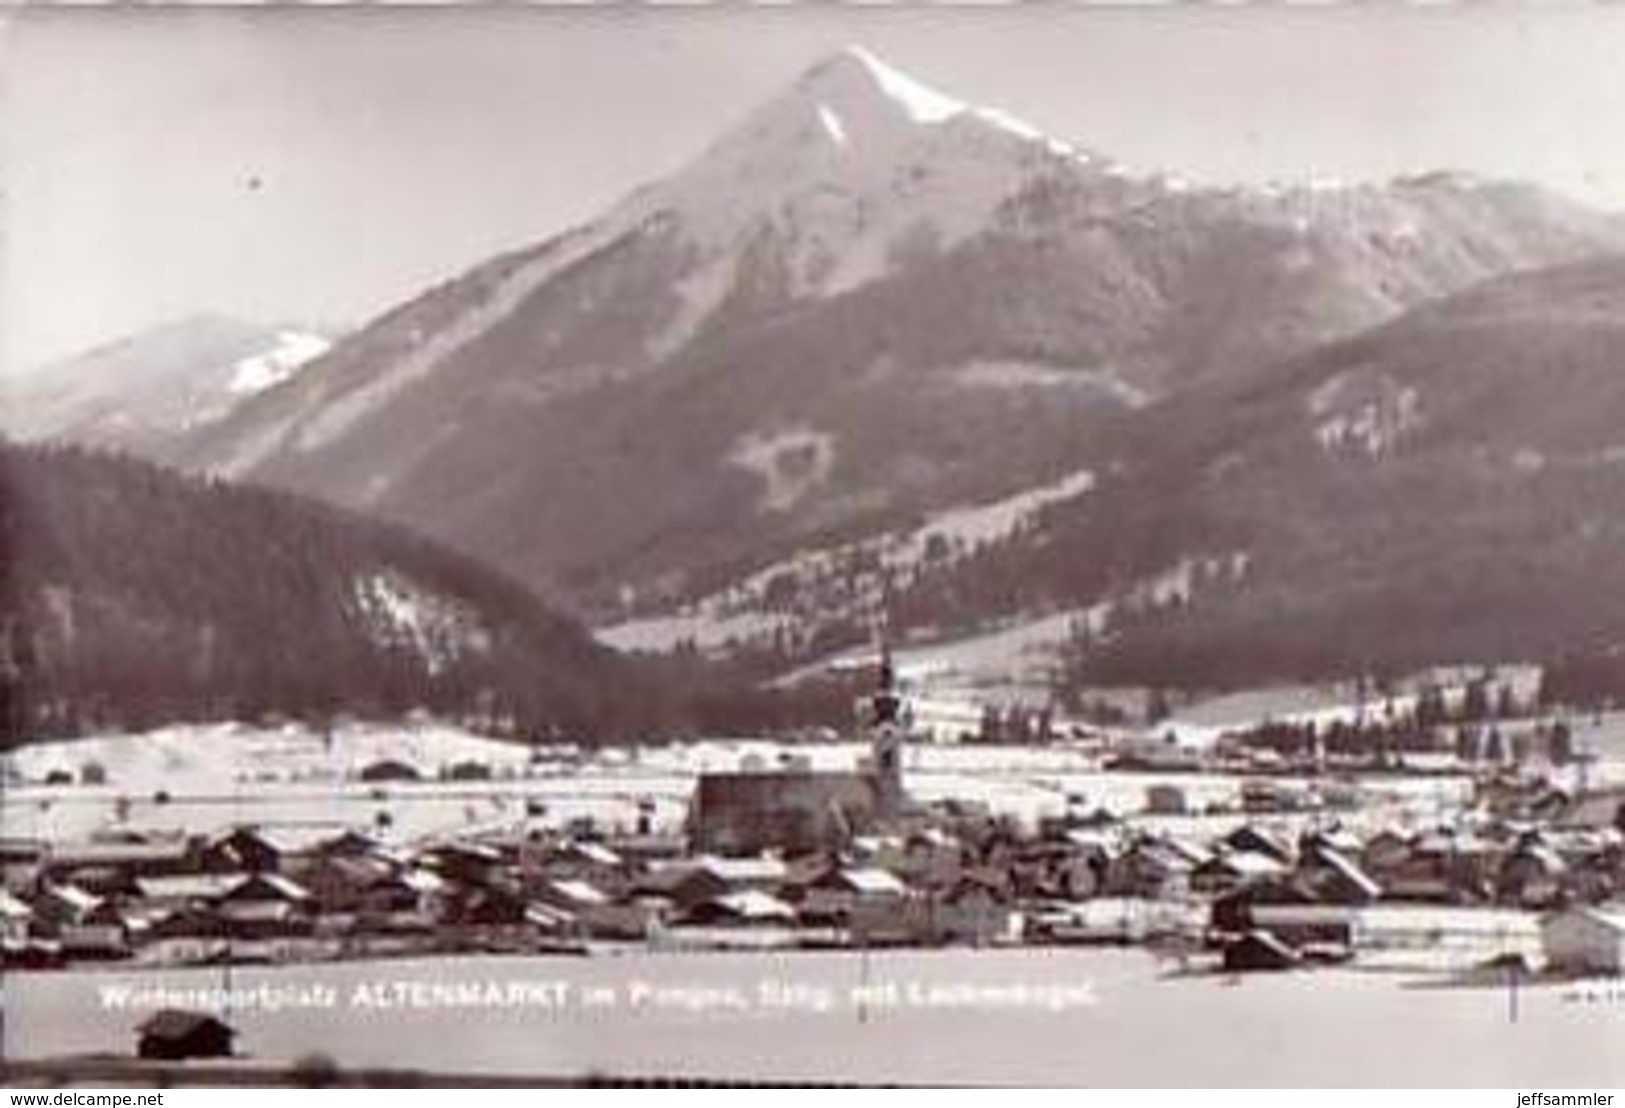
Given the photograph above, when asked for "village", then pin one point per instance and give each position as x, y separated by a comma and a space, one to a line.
1519, 876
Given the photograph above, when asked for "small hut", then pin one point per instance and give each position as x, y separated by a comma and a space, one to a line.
174, 1034
1258, 950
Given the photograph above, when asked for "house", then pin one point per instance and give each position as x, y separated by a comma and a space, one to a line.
1263, 795
1258, 950
1443, 866
350, 843
595, 911
132, 854
1250, 838
1585, 940
16, 851
1337, 878
389, 769
186, 921
579, 899
1533, 875
1083, 869
188, 890
976, 910
1230, 869
746, 908
1308, 924
265, 905
410, 891
1386, 850
690, 883
59, 906
1340, 839
466, 863
932, 858
242, 849
15, 919
839, 890
580, 858
1165, 800
1235, 911
267, 887
342, 883
107, 931
172, 1034
1151, 868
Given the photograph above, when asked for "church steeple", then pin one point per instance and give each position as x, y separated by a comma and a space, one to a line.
890, 729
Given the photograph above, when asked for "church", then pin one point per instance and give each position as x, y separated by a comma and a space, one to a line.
801, 811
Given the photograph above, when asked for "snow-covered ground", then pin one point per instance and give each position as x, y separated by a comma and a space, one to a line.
291, 352
302, 782
744, 611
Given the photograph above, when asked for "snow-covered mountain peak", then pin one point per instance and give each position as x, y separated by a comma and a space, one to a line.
856, 73
849, 165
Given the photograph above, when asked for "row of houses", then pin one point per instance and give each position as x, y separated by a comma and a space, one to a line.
956, 876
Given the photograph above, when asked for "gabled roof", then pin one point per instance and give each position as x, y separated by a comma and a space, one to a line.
932, 836
74, 897
95, 853
269, 886
548, 916
1549, 860
361, 871
581, 893
596, 853
175, 1023
1088, 838
870, 881
13, 908
1349, 871
1337, 838
1247, 864
1251, 837
421, 880
191, 886
753, 904
740, 870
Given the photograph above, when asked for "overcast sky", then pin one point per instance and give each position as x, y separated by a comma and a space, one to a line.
320, 164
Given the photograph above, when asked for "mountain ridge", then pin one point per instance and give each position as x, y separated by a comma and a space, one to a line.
849, 311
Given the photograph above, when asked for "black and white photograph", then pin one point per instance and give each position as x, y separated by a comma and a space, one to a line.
802, 544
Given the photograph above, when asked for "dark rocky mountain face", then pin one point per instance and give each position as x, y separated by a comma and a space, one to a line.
1446, 487
131, 597
863, 301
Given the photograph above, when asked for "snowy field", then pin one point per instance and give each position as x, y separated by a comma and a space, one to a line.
742, 612
303, 782
1038, 1016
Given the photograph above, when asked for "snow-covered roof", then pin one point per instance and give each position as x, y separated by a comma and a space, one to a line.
1350, 871
580, 892
278, 886
1251, 863
191, 886
597, 853
74, 897
754, 904
744, 869
873, 880
421, 880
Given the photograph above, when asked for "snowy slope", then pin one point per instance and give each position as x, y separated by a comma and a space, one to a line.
865, 302
144, 391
